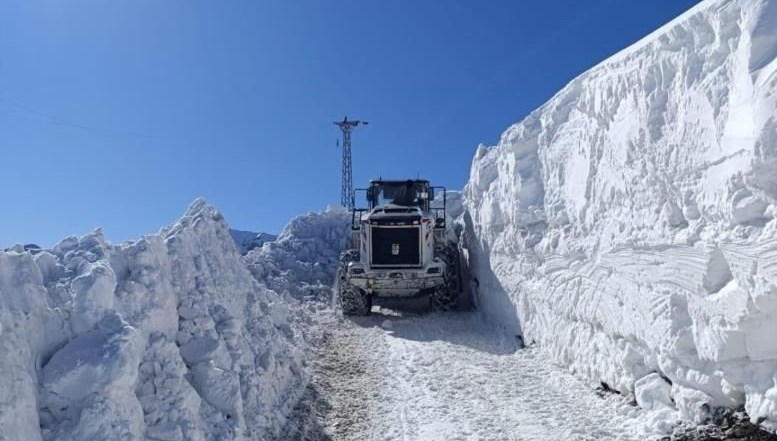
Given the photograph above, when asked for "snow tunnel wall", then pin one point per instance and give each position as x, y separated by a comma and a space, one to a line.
166, 338
628, 224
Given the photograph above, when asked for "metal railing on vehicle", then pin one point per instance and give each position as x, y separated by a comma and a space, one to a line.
359, 211
439, 221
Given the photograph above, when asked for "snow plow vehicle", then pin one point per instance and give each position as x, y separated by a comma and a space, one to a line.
401, 247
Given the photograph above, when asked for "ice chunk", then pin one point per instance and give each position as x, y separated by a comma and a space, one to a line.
93, 360
653, 391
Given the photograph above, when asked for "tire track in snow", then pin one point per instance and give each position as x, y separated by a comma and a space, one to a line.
450, 377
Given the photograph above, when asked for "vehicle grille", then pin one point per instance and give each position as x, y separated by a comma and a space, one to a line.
396, 246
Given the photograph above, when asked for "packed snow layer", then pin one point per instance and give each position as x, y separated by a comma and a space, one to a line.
628, 225
248, 240
166, 338
303, 261
436, 377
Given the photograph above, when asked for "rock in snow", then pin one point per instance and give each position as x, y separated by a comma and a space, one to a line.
166, 338
628, 225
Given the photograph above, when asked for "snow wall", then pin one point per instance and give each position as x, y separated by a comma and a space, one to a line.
166, 338
628, 225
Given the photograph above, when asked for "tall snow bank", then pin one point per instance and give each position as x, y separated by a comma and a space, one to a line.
166, 338
303, 260
627, 225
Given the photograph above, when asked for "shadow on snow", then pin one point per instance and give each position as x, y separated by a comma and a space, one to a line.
465, 328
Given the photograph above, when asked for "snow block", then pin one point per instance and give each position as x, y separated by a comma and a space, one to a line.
653, 391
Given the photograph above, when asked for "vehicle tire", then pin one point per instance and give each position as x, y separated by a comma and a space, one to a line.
442, 299
446, 296
352, 300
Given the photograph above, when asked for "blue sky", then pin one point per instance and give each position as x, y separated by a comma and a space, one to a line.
119, 113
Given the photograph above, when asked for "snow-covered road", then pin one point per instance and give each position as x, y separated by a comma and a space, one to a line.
447, 377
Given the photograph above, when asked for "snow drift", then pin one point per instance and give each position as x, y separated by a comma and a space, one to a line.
166, 338
303, 261
628, 225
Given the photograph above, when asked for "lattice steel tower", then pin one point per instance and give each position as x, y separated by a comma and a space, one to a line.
346, 197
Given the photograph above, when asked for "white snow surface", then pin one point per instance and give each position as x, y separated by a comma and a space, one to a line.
167, 338
453, 376
628, 225
303, 261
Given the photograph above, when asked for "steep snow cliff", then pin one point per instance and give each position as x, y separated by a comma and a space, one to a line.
166, 338
628, 225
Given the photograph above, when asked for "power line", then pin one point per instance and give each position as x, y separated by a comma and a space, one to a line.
54, 120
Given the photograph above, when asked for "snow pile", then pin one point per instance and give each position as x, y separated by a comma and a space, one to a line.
303, 260
627, 226
166, 338
248, 240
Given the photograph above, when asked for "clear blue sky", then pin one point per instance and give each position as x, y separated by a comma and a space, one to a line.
119, 113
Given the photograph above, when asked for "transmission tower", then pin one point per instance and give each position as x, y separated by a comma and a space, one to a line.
346, 197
